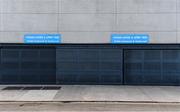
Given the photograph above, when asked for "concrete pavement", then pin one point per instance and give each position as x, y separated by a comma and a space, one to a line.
88, 93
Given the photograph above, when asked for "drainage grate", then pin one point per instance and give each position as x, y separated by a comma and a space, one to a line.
13, 88
51, 88
33, 88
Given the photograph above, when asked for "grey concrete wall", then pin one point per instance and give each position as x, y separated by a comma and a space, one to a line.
90, 21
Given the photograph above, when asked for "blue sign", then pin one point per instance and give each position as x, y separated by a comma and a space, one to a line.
130, 38
42, 38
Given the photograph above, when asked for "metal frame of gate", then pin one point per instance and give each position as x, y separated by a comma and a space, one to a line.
98, 48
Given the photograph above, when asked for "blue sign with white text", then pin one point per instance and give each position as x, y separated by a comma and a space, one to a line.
42, 38
130, 38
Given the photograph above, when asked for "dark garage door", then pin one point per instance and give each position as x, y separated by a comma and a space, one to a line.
89, 65
27, 65
152, 67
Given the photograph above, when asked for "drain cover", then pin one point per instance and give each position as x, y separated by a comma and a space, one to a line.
13, 88
51, 88
32, 88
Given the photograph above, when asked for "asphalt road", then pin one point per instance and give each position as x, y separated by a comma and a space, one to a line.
88, 106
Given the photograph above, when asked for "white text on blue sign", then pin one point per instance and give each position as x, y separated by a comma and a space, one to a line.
42, 38
130, 38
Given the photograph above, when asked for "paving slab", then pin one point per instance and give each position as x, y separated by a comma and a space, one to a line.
13, 95
39, 95
163, 94
116, 93
71, 93
173, 92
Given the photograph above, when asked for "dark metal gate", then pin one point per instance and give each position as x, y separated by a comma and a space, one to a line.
89, 65
27, 65
152, 67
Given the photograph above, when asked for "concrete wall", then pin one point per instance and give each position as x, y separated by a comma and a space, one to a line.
90, 21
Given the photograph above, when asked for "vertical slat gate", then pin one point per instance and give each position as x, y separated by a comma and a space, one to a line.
0, 65
28, 65
89, 64
152, 67
81, 65
10, 64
